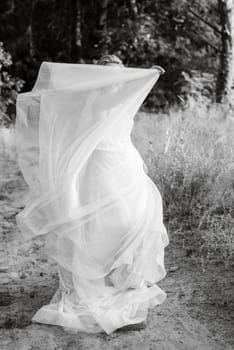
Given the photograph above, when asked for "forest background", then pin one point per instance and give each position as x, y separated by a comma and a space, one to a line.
192, 41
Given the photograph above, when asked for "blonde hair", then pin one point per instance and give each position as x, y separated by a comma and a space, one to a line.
105, 59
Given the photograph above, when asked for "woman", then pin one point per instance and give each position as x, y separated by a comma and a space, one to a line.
89, 195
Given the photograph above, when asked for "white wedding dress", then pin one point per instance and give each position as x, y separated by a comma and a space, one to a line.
89, 195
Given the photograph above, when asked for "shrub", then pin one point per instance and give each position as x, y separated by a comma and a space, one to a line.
9, 87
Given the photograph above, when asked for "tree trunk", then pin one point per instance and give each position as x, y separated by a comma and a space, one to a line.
225, 77
75, 31
32, 45
94, 28
101, 32
132, 4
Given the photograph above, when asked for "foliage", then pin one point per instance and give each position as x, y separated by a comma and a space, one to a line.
9, 86
160, 34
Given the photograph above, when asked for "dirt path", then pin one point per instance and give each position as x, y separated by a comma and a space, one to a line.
198, 313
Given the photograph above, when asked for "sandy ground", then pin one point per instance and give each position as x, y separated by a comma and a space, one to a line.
198, 313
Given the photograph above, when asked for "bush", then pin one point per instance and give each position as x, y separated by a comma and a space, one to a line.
9, 87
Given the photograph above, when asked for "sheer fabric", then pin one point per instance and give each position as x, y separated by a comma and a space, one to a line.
89, 195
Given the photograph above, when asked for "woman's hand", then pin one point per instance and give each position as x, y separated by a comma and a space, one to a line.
162, 71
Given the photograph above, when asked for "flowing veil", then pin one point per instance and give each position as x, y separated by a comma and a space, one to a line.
70, 109
59, 124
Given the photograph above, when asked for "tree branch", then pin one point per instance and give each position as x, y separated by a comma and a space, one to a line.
10, 11
217, 30
191, 36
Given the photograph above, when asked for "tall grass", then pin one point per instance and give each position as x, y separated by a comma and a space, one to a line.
190, 156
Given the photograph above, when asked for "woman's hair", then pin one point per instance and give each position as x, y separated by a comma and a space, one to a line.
105, 59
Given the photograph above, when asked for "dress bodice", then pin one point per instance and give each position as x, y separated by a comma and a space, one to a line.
119, 135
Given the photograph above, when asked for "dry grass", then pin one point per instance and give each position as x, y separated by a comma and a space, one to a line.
190, 155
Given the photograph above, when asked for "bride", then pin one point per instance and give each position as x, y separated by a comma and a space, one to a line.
89, 195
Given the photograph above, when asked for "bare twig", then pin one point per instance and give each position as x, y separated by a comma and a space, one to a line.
191, 36
205, 21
